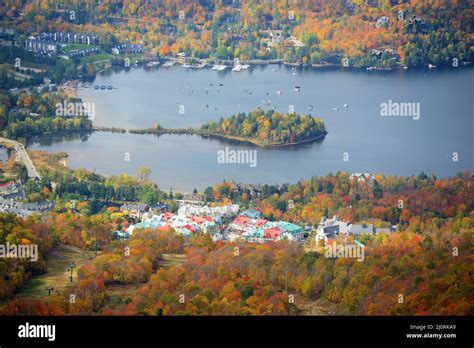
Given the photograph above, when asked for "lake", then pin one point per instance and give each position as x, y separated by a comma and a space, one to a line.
359, 137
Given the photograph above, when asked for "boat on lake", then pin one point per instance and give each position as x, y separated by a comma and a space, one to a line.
152, 64
240, 67
219, 67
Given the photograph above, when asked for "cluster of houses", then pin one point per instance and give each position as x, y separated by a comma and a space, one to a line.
11, 194
12, 190
23, 210
190, 219
127, 48
223, 211
47, 48
368, 178
330, 229
380, 51
191, 198
227, 224
140, 211
70, 38
182, 224
220, 222
273, 37
384, 21
251, 227
50, 43
74, 54
254, 189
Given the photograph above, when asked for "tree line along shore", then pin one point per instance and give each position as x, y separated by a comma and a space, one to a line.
258, 127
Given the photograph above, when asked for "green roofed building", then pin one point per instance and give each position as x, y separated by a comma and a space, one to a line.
286, 227
255, 234
290, 228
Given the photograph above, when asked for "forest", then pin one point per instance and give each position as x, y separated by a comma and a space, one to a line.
327, 31
268, 127
83, 185
14, 272
33, 113
428, 260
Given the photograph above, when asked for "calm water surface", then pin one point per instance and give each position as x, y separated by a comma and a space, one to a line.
390, 145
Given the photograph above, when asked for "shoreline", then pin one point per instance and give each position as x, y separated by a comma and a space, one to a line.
315, 66
177, 132
71, 91
218, 136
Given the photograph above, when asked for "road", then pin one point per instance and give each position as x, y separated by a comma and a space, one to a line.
23, 156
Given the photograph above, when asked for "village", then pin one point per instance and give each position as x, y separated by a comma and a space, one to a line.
12, 196
192, 215
228, 223
73, 45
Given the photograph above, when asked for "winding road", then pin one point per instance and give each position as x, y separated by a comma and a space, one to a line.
23, 156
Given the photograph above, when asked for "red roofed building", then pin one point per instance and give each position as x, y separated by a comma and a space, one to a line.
167, 216
240, 223
198, 219
260, 222
272, 233
190, 228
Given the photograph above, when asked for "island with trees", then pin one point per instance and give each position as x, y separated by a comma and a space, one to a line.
36, 113
259, 127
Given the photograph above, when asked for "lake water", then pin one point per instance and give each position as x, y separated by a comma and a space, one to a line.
3, 155
359, 138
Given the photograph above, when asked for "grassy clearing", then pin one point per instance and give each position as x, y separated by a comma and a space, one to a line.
170, 260
319, 307
56, 276
120, 294
96, 58
70, 47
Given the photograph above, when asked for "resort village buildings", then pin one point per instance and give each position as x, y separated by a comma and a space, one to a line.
224, 223
330, 229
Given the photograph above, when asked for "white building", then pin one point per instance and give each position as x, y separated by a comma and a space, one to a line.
368, 178
195, 209
331, 228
